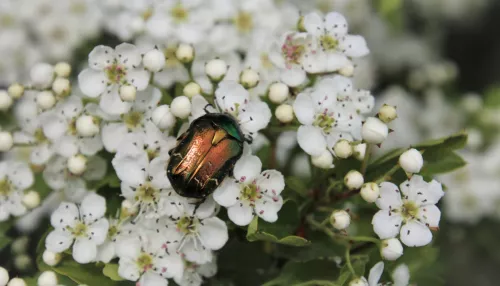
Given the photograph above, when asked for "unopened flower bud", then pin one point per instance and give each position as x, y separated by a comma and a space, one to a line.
51, 258
347, 70
181, 107
387, 113
47, 278
472, 103
284, 113
340, 219
128, 93
191, 89
361, 281
20, 245
374, 131
353, 180
4, 276
154, 60
6, 141
391, 249
162, 117
185, 53
31, 199
62, 69
359, 151
343, 149
17, 282
61, 86
87, 126
249, 78
411, 161
42, 75
370, 192
16, 90
5, 100
278, 92
77, 164
22, 262
45, 99
216, 69
323, 161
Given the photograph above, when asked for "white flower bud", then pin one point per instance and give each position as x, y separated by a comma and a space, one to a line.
42, 75
340, 219
61, 86
181, 107
20, 246
474, 138
45, 99
77, 164
22, 262
17, 282
284, 113
16, 90
6, 141
87, 125
411, 161
323, 161
185, 53
191, 89
31, 199
347, 70
47, 278
278, 92
154, 60
387, 113
249, 78
62, 69
128, 93
353, 180
374, 131
343, 149
137, 25
359, 151
162, 117
216, 69
361, 281
472, 103
4, 276
391, 249
51, 258
5, 100
370, 192
128, 208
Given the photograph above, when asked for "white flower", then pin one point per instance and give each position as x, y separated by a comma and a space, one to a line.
135, 120
42, 75
411, 161
391, 249
324, 118
251, 192
84, 224
340, 219
145, 259
401, 275
15, 177
194, 273
109, 69
118, 231
409, 212
332, 46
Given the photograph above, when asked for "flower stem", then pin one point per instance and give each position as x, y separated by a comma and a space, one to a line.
348, 261
388, 174
364, 164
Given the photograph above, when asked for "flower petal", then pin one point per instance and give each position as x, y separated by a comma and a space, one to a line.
101, 57
226, 194
98, 231
128, 55
401, 275
84, 250
106, 252
415, 234
386, 224
390, 197
92, 83
58, 241
127, 268
303, 107
112, 104
66, 146
268, 207
93, 207
375, 273
271, 182
20, 175
429, 215
336, 24
66, 214
138, 78
354, 46
112, 135
311, 140
241, 214
293, 77
131, 170
213, 233
313, 23
247, 168
152, 279
254, 116
158, 174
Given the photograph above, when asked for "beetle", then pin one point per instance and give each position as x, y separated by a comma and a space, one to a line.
204, 155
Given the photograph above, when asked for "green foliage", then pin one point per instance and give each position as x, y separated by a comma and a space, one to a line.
278, 232
111, 270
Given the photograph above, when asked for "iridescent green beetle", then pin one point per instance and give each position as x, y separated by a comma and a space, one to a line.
205, 154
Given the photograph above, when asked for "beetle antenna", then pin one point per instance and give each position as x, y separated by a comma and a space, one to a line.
206, 108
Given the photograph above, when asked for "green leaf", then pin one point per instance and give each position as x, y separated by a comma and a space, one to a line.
492, 97
441, 163
321, 247
4, 241
315, 272
280, 231
111, 271
41, 187
358, 264
296, 185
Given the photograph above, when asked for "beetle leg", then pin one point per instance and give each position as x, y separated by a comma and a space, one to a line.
177, 154
206, 108
248, 139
